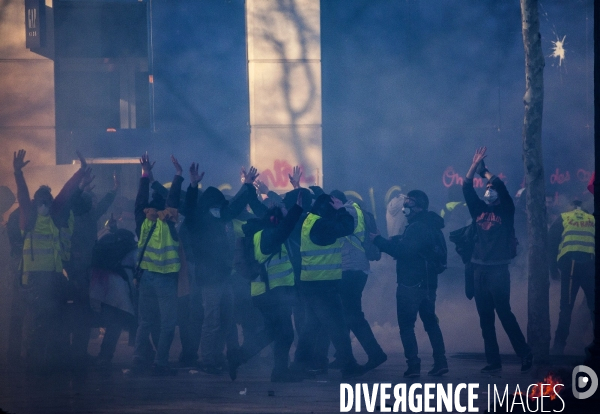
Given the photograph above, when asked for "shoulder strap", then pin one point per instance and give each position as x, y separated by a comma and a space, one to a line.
141, 256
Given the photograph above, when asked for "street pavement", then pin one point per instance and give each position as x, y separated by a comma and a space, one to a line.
113, 391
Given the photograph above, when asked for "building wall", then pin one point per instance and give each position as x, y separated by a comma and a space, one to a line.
26, 96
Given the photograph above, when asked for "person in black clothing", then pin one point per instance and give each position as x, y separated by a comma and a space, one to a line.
87, 210
417, 282
319, 284
495, 246
275, 303
206, 217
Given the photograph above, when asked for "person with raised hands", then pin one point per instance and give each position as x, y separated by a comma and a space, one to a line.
44, 223
158, 265
207, 216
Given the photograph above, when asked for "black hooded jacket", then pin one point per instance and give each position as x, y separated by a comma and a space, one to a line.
409, 250
494, 224
210, 246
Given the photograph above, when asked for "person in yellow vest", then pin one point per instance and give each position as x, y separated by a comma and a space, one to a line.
571, 239
44, 224
272, 292
158, 244
355, 270
321, 273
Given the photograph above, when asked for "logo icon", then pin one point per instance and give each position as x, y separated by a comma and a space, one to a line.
585, 382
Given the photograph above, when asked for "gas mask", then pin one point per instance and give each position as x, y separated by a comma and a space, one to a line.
406, 211
490, 196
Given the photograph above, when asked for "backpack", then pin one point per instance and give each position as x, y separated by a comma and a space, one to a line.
245, 263
437, 257
371, 251
111, 249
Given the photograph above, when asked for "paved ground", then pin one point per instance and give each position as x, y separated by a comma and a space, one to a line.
113, 392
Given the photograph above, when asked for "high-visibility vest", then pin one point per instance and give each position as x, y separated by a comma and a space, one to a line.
162, 252
358, 237
319, 262
279, 269
450, 206
42, 247
578, 234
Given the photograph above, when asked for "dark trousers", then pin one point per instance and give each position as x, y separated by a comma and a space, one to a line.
46, 335
492, 293
276, 309
18, 311
324, 314
573, 275
411, 301
190, 317
114, 321
351, 289
79, 314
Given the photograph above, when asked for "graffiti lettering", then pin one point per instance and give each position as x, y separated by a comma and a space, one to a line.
560, 178
583, 175
451, 177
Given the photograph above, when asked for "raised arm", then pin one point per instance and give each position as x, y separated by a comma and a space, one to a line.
22, 191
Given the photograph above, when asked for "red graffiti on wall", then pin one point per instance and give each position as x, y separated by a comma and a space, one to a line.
583, 175
560, 178
278, 177
451, 177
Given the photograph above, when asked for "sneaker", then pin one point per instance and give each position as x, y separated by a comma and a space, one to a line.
491, 368
413, 371
527, 362
374, 362
439, 369
234, 361
163, 371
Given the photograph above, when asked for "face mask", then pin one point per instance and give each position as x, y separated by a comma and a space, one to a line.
406, 211
43, 210
215, 212
490, 196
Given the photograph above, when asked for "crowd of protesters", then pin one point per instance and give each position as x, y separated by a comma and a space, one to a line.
284, 268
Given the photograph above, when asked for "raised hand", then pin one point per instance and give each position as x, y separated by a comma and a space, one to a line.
336, 203
295, 176
146, 165
299, 199
19, 160
195, 178
87, 179
261, 187
479, 155
250, 176
81, 160
178, 169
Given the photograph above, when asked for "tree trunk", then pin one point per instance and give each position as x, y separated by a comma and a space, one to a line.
538, 324
593, 351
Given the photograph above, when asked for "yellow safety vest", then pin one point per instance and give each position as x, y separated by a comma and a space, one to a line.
358, 237
319, 262
578, 234
162, 252
42, 247
451, 205
279, 268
